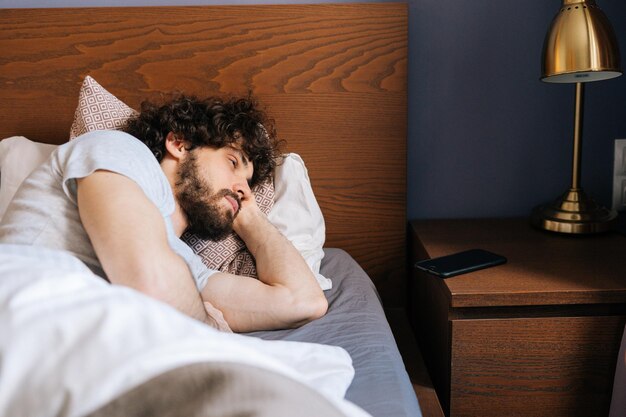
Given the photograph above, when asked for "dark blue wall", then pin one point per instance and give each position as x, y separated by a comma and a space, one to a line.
485, 136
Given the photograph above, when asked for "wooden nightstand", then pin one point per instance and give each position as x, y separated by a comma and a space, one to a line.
538, 336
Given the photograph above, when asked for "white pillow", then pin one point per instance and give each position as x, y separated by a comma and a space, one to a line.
18, 158
297, 215
295, 212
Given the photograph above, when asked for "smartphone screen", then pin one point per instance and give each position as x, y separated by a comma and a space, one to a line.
460, 263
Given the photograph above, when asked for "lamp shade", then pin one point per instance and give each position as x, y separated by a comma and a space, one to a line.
580, 45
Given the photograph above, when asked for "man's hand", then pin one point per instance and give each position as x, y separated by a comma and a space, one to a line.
250, 217
286, 294
215, 318
249, 213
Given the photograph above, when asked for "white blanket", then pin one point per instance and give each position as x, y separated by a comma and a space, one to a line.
70, 342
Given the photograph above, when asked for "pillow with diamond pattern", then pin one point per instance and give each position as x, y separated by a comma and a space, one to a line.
98, 110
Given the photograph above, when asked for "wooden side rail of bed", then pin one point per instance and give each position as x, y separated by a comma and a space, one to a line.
414, 362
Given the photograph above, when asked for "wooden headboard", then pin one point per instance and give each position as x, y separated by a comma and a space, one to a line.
333, 76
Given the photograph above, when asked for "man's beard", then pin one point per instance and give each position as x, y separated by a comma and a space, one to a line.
205, 216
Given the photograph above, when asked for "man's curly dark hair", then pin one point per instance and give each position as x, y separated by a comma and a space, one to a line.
214, 122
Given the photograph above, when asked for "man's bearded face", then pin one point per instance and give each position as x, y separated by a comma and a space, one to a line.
206, 215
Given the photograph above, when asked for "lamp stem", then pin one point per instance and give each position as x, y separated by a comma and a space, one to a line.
578, 135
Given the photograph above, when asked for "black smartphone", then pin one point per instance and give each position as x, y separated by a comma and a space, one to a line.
460, 263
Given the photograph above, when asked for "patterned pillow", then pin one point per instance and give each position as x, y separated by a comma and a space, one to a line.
230, 254
98, 110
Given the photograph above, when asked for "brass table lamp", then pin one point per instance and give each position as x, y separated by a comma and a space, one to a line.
580, 47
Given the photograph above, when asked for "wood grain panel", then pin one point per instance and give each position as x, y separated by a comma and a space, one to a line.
332, 76
139, 52
540, 367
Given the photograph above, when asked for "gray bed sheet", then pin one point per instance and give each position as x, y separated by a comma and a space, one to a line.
356, 321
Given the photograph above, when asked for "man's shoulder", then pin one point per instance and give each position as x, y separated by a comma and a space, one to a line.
106, 140
117, 152
113, 151
106, 148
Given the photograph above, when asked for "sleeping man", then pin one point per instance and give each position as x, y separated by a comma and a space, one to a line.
120, 201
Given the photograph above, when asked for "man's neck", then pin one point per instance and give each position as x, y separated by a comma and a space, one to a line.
179, 219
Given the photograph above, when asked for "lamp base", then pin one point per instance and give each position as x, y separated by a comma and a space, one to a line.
574, 213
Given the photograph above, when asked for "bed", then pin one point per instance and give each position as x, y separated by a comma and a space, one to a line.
333, 76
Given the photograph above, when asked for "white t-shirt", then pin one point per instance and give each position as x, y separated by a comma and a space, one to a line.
44, 211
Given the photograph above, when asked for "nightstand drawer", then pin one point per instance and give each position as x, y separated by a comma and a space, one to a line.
552, 366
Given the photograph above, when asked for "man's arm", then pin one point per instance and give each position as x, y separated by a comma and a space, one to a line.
286, 294
130, 240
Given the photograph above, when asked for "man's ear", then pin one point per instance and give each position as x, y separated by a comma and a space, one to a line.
175, 145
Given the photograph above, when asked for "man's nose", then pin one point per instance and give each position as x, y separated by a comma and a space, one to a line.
242, 188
